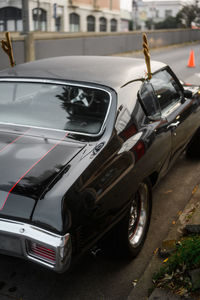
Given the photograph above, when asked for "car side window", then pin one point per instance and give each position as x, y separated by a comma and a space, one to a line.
127, 99
148, 100
166, 90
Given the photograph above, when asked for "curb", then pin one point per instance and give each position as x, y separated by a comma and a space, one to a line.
165, 295
190, 215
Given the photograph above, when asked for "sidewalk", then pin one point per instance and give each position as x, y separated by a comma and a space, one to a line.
190, 216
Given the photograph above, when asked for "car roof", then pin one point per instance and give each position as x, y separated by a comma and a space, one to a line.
113, 72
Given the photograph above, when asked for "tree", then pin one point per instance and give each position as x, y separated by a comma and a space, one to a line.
169, 22
149, 23
188, 14
130, 25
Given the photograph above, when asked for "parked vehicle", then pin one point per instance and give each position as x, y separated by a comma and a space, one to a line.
82, 142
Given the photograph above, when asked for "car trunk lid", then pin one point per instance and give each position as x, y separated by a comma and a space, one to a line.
29, 162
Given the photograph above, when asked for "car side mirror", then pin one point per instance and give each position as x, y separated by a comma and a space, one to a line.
187, 94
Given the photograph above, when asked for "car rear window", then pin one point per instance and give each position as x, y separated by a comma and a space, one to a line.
66, 107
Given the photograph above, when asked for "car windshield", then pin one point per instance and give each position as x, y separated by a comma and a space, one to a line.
57, 106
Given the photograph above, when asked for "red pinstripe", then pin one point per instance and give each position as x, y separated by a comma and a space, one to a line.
31, 169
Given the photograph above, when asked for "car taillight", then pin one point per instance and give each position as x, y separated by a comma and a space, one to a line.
128, 132
41, 252
139, 150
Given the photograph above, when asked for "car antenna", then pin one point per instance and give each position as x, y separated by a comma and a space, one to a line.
7, 47
147, 55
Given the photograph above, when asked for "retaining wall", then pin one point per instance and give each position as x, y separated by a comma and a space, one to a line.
43, 45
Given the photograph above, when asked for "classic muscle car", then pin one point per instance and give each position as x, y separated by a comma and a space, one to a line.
83, 140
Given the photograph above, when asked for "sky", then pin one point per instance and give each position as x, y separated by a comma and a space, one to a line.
127, 4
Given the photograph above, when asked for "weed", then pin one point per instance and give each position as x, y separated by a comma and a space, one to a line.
174, 274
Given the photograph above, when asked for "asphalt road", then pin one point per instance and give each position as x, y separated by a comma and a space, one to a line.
102, 277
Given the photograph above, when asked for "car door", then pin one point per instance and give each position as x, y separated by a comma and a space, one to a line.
158, 134
175, 109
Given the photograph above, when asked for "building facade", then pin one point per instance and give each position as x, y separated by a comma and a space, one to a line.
94, 15
157, 10
125, 14
62, 15
140, 11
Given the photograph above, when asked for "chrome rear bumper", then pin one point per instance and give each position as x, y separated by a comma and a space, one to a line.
16, 238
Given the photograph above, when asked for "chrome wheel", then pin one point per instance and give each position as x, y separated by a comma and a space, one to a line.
138, 216
129, 235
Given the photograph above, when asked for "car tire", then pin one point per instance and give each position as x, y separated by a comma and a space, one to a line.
193, 149
132, 230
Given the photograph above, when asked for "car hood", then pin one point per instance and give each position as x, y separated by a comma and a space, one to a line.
29, 162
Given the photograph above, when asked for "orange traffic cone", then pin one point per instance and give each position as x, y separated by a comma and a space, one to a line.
191, 61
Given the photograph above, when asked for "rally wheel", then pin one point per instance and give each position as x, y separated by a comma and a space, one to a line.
132, 230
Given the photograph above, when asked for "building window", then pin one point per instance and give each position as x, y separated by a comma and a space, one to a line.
90, 23
103, 24
157, 13
168, 13
113, 25
58, 23
39, 19
10, 19
74, 22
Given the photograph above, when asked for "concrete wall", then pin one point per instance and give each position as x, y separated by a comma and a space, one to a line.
43, 45
106, 44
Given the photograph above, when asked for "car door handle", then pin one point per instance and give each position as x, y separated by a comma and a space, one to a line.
173, 125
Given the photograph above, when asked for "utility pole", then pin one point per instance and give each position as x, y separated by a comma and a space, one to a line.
38, 15
111, 4
135, 14
95, 4
25, 16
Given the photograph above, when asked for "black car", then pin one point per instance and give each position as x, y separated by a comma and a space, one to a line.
82, 142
